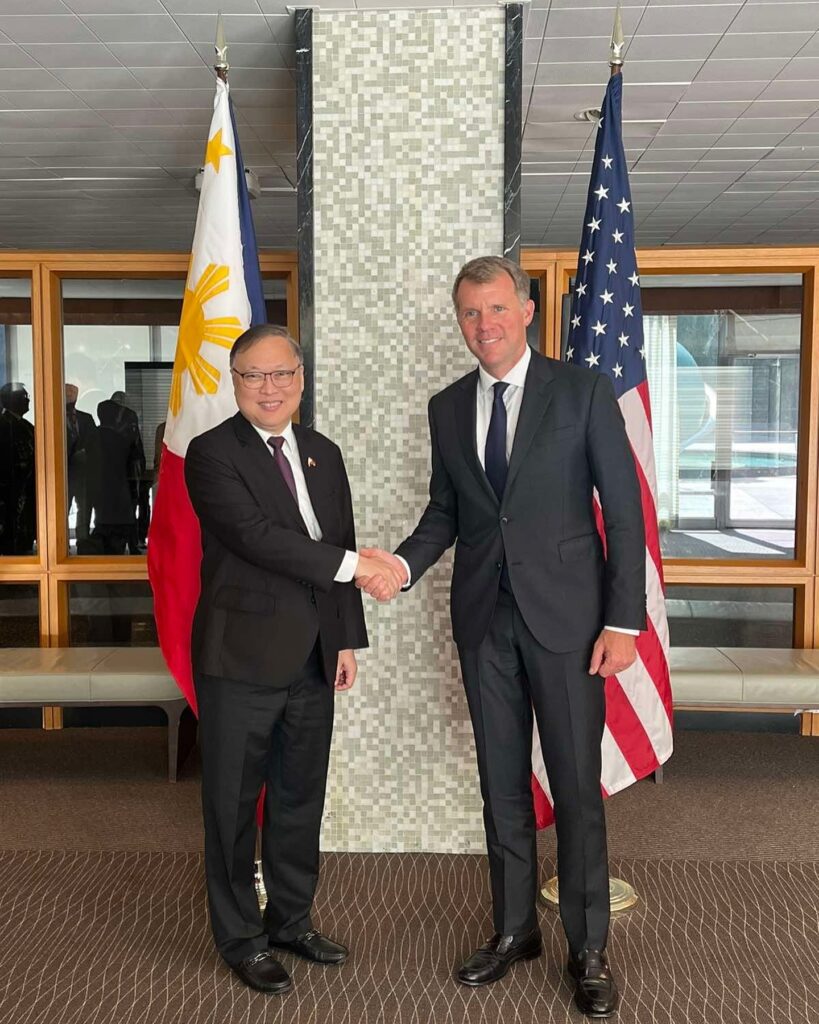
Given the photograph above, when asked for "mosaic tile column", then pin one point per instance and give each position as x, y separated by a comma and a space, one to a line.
405, 184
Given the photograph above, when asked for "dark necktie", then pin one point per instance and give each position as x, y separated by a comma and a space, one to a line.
495, 453
286, 470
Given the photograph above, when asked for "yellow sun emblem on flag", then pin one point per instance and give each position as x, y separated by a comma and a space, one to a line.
194, 329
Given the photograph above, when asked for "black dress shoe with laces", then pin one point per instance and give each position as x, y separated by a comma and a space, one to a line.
493, 960
263, 972
314, 946
595, 992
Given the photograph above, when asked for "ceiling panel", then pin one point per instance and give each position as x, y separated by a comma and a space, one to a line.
104, 105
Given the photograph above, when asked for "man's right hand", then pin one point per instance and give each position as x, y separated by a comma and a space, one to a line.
379, 573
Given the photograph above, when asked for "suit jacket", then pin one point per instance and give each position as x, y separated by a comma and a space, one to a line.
267, 588
570, 438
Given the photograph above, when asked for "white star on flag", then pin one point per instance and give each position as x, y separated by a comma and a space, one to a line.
607, 162
612, 267
588, 257
599, 328
601, 193
581, 289
628, 310
576, 320
623, 339
624, 206
642, 351
594, 224
592, 359
607, 297
569, 353
635, 280
617, 236
617, 370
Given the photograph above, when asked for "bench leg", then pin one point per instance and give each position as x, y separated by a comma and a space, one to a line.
658, 775
173, 711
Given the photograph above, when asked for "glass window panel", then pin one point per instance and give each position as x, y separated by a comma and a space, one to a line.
19, 615
723, 369
730, 616
723, 361
118, 342
18, 504
111, 614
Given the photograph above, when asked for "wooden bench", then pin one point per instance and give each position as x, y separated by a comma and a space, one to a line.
93, 676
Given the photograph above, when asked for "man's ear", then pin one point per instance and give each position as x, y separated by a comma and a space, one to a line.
528, 311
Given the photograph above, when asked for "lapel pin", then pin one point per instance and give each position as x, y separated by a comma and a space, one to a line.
311, 462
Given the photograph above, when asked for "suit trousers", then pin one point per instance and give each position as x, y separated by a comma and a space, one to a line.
252, 734
505, 678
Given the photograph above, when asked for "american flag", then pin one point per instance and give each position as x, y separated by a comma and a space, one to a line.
606, 335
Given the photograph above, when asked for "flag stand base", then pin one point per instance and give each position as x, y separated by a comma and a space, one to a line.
621, 895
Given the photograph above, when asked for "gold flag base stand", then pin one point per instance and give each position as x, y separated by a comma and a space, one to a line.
621, 895
258, 884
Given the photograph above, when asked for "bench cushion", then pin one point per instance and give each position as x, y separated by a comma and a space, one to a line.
777, 676
48, 673
703, 675
133, 673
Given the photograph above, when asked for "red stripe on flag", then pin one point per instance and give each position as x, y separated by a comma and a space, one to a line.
174, 556
544, 812
645, 398
627, 730
650, 520
653, 657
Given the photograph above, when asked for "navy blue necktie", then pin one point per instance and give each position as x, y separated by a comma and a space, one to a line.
495, 454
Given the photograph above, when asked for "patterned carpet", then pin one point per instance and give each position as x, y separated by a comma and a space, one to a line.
98, 937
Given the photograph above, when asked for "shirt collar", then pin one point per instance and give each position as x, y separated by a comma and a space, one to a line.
287, 434
516, 376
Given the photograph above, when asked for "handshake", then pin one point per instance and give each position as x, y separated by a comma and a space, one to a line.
380, 574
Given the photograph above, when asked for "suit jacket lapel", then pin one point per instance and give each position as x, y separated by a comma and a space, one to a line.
315, 476
536, 400
264, 479
466, 416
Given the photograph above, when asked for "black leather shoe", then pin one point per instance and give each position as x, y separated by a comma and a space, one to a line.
263, 972
595, 992
314, 946
493, 960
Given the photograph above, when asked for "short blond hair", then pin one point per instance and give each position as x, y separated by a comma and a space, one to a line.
484, 269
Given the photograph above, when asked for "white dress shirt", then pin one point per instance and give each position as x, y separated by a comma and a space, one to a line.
290, 449
512, 399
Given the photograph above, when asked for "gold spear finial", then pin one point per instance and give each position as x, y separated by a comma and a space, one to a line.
617, 42
221, 66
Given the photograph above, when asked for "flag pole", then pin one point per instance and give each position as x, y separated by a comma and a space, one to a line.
621, 894
221, 67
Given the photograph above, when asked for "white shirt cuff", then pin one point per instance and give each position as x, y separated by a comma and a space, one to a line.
619, 629
403, 562
346, 571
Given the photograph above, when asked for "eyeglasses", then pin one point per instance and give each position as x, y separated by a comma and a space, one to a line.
254, 379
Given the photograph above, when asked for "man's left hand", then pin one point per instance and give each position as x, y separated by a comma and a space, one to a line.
613, 652
346, 670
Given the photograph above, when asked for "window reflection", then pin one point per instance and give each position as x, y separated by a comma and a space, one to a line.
18, 495
119, 341
723, 365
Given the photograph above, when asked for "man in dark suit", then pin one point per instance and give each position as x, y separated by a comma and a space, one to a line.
82, 463
539, 615
274, 634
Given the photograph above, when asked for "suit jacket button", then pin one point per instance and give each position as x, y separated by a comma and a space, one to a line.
504, 519
498, 565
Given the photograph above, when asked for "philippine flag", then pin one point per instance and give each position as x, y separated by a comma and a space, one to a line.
223, 297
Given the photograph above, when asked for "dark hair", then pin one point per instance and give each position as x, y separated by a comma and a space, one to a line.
484, 269
258, 333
